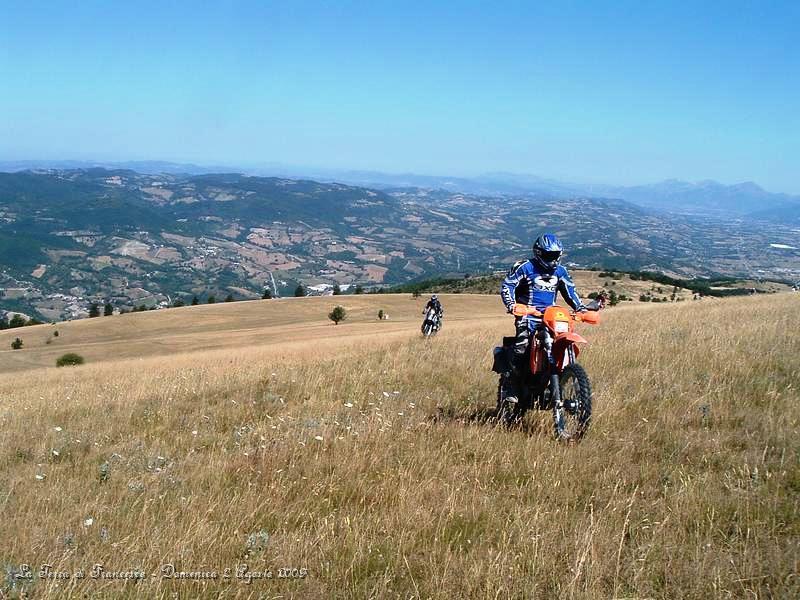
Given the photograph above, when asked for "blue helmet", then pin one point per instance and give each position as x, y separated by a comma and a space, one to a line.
547, 252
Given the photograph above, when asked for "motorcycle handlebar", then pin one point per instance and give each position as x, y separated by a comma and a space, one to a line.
523, 310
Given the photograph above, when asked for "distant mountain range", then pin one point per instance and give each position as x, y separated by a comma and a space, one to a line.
68, 237
670, 196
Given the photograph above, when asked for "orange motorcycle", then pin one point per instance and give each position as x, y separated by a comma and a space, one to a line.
552, 379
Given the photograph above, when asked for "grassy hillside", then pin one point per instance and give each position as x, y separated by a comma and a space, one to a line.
377, 469
286, 325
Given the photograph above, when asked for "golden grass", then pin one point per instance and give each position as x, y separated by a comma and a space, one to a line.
375, 467
230, 325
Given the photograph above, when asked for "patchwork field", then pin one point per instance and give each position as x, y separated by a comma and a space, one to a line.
199, 448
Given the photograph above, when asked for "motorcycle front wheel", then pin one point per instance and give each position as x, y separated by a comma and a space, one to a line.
576, 400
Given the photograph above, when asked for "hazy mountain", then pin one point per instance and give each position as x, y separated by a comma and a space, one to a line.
671, 196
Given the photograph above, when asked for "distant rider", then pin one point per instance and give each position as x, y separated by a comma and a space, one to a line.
437, 307
535, 282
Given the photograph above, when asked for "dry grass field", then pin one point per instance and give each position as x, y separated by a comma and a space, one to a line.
286, 325
371, 460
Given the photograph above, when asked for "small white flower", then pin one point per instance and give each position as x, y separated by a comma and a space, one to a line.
348, 404
58, 428
386, 394
39, 477
56, 453
88, 522
194, 432
318, 438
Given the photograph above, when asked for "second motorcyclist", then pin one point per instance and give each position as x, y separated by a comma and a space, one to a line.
438, 310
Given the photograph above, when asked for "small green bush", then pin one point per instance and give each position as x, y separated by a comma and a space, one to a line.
16, 344
69, 359
337, 314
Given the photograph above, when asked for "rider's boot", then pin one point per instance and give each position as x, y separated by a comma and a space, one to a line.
509, 390
512, 382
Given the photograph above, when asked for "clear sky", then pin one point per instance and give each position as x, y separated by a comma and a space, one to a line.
610, 92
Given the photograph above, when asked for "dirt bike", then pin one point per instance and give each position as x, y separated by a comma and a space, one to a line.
432, 323
553, 380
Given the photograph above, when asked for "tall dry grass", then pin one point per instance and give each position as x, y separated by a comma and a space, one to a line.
378, 470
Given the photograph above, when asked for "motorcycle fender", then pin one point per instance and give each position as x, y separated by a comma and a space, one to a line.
501, 363
564, 341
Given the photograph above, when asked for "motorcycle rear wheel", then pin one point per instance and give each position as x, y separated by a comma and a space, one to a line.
576, 397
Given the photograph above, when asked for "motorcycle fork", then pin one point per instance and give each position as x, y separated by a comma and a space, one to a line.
555, 387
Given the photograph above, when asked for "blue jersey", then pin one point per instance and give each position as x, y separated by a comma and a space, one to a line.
527, 284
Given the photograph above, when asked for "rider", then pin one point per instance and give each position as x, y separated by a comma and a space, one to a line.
437, 307
535, 282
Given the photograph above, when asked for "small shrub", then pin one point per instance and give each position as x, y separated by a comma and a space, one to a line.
69, 359
55, 333
337, 314
380, 315
16, 344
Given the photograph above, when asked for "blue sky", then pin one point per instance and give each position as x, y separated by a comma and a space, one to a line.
623, 92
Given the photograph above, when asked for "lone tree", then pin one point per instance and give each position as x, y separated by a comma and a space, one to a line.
94, 310
3, 323
337, 290
381, 314
299, 291
229, 298
359, 289
178, 303
337, 314
267, 294
212, 299
108, 310
195, 301
16, 344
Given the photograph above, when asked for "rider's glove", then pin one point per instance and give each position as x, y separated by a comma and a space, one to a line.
519, 310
